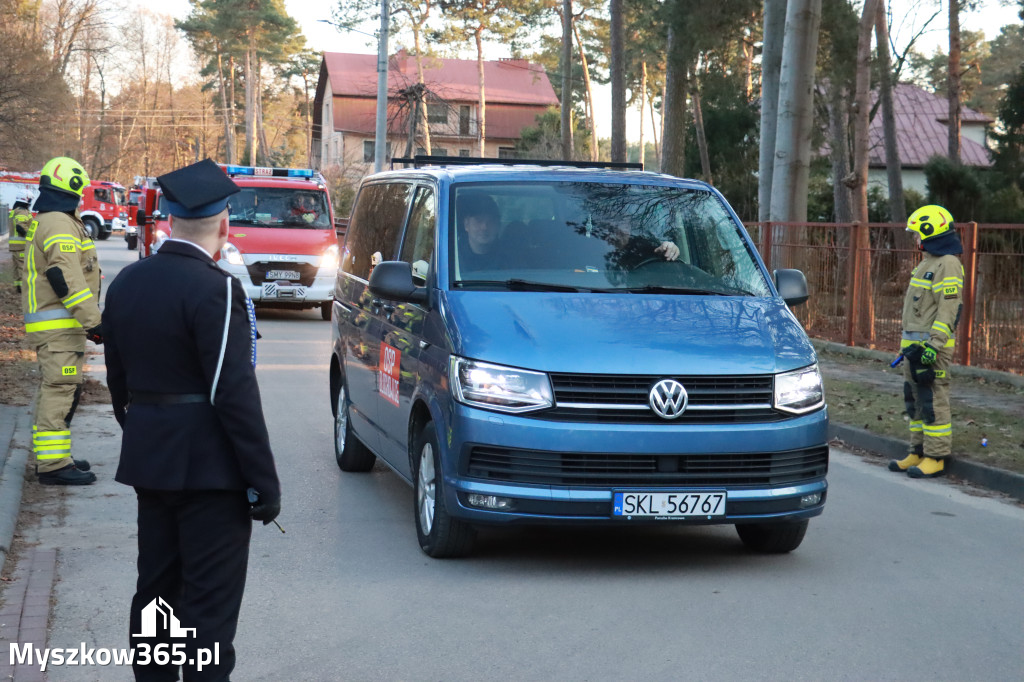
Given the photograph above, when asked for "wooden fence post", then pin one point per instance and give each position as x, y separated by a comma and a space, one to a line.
970, 263
766, 245
853, 284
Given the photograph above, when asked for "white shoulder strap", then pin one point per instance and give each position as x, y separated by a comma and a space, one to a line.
223, 341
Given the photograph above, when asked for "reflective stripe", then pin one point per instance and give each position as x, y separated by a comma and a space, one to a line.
55, 456
75, 299
51, 325
942, 327
15, 241
60, 239
42, 315
916, 426
938, 430
950, 343
88, 244
920, 283
30, 268
51, 444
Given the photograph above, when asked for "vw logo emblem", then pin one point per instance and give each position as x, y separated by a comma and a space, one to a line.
668, 399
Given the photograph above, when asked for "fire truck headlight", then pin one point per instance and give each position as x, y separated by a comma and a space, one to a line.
231, 255
330, 258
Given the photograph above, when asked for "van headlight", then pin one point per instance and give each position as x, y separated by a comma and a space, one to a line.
330, 257
230, 254
495, 387
799, 391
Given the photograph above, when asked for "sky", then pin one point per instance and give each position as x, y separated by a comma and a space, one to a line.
991, 16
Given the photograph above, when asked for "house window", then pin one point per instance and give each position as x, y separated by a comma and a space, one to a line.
506, 152
463, 152
368, 151
439, 151
464, 119
437, 113
420, 151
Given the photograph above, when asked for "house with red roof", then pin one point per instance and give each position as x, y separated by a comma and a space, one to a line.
922, 121
344, 110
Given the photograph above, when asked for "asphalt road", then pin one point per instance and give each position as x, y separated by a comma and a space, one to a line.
898, 580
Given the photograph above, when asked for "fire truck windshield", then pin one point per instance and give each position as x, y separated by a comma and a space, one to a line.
119, 196
280, 207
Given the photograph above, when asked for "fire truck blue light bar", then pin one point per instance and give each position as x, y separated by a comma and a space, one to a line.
260, 171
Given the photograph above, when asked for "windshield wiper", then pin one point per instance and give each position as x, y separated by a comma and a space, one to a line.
245, 221
518, 285
656, 289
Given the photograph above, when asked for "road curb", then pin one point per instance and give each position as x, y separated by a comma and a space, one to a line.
999, 480
13, 420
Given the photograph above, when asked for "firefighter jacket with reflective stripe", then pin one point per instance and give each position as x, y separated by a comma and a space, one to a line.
934, 299
56, 240
20, 219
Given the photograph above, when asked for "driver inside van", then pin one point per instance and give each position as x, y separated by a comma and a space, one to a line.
480, 232
634, 247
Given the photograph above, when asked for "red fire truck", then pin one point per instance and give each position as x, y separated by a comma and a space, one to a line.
282, 243
104, 208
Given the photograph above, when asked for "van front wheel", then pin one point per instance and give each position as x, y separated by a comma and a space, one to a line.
772, 538
440, 535
349, 452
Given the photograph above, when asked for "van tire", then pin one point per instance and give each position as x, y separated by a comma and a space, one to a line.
325, 310
92, 228
440, 535
772, 538
349, 451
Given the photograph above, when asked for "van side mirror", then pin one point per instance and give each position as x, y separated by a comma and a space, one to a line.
392, 280
140, 217
792, 286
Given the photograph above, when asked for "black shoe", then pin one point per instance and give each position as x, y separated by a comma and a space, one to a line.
69, 475
82, 464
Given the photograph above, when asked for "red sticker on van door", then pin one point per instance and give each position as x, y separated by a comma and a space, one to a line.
388, 372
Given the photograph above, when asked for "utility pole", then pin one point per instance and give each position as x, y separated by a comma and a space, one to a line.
381, 141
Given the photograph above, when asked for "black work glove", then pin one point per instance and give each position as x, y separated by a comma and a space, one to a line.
265, 510
95, 334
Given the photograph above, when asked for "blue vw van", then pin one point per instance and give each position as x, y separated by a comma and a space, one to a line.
549, 344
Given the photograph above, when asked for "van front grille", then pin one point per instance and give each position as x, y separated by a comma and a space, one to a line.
613, 398
617, 470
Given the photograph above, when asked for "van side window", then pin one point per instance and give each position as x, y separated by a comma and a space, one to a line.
376, 223
418, 248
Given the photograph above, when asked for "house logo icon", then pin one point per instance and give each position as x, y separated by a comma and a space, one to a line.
159, 614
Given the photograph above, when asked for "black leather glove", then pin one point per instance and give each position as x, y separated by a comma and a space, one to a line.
265, 510
95, 334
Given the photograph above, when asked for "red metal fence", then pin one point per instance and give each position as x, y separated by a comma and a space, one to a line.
858, 274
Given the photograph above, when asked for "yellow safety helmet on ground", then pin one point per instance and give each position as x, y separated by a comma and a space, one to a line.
930, 221
64, 174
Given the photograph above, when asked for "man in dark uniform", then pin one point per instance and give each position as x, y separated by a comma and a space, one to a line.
180, 351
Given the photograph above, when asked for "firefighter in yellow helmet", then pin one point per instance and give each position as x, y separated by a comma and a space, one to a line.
19, 218
60, 301
931, 311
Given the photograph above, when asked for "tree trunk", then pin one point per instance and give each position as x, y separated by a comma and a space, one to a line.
261, 130
591, 122
482, 118
654, 132
250, 101
618, 75
229, 138
673, 138
838, 126
643, 102
231, 107
424, 112
566, 66
954, 80
796, 112
698, 122
771, 63
894, 169
863, 317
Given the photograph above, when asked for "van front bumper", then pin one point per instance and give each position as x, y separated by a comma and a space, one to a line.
285, 293
557, 472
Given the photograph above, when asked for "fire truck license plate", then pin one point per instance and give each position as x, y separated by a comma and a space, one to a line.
667, 505
282, 274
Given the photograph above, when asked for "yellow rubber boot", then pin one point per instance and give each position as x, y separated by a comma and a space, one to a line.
928, 468
899, 465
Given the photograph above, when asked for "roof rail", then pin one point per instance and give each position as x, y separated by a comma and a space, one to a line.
420, 160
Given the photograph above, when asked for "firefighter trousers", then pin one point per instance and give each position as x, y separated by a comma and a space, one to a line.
60, 369
18, 259
931, 427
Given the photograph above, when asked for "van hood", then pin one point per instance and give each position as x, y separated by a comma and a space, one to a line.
298, 241
626, 333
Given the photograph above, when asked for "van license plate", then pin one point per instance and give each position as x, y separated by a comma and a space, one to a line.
668, 505
282, 274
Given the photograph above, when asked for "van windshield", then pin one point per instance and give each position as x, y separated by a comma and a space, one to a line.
588, 236
280, 207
